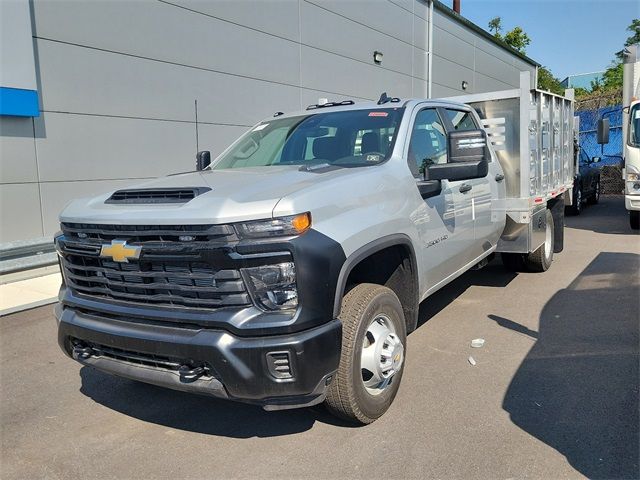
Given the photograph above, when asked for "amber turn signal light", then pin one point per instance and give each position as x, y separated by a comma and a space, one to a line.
301, 222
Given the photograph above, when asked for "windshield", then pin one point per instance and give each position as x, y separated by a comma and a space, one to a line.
634, 127
352, 138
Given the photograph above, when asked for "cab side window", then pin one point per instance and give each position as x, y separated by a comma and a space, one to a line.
461, 120
428, 144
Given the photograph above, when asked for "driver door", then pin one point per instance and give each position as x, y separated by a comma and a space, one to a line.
444, 221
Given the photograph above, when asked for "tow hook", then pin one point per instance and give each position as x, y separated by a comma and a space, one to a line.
82, 352
189, 373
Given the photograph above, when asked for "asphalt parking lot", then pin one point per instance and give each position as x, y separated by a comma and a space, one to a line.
554, 393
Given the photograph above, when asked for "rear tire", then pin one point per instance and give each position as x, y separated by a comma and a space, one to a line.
513, 262
595, 198
634, 219
372, 318
540, 260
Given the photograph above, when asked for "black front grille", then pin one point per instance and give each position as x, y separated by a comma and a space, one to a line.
168, 272
148, 233
156, 195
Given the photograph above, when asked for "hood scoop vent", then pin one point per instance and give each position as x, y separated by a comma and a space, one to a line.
156, 195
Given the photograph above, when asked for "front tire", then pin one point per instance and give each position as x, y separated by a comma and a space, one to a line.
595, 198
540, 260
372, 357
576, 208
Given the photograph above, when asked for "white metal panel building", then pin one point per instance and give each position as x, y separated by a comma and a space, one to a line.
116, 83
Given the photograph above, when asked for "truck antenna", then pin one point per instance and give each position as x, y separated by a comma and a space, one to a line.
384, 98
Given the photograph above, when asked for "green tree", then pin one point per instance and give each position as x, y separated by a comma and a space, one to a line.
495, 26
612, 77
581, 92
546, 81
518, 39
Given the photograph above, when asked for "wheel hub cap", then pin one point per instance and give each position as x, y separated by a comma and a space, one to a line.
382, 355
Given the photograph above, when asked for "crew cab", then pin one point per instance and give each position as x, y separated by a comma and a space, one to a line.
288, 271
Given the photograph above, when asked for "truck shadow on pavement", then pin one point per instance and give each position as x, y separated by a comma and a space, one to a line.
577, 390
196, 413
493, 275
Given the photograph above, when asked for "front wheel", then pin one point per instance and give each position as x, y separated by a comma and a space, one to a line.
373, 351
540, 260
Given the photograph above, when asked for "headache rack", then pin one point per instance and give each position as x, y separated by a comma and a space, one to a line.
533, 134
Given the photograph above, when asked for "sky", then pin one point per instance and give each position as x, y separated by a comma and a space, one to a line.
567, 36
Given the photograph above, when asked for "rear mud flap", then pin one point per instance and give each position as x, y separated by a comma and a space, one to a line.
557, 212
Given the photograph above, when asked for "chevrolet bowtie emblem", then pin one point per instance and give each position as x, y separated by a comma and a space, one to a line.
119, 251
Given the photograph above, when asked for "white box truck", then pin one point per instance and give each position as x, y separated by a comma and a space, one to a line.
631, 132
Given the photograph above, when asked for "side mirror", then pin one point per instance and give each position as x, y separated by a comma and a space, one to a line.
603, 131
595, 159
467, 146
458, 171
203, 160
468, 157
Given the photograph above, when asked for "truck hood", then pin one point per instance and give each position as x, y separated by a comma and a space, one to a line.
236, 195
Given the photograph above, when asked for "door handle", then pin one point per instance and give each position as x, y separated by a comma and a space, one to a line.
499, 177
465, 187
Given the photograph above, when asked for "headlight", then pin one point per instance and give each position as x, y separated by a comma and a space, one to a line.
276, 227
632, 180
273, 287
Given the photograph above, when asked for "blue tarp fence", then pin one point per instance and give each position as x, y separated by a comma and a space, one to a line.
589, 133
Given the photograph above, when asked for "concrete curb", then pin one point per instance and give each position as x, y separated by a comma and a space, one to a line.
29, 293
28, 306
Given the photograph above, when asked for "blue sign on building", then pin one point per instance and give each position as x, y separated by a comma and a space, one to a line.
19, 102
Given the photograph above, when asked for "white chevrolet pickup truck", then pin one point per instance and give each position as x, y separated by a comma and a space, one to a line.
288, 271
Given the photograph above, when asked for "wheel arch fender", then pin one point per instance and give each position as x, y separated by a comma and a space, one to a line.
410, 305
